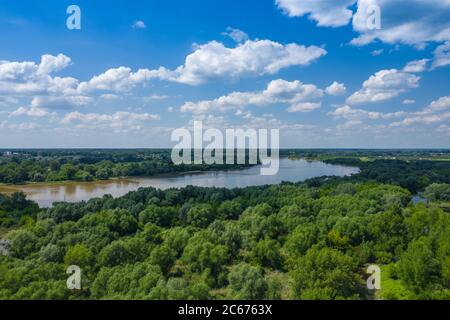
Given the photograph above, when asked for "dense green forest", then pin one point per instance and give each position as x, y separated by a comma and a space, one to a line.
289, 241
309, 240
87, 165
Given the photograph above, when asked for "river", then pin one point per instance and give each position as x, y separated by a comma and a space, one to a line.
290, 170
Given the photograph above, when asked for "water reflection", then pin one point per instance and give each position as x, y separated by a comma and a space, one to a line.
290, 170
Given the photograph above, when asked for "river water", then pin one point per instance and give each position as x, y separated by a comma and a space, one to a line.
290, 170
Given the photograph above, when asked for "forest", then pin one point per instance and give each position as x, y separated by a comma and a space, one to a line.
289, 241
308, 240
24, 166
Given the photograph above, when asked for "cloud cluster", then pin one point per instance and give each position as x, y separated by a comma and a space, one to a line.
300, 98
251, 58
441, 104
413, 22
336, 89
32, 78
436, 112
37, 80
122, 79
29, 112
119, 121
327, 13
416, 66
384, 85
212, 60
207, 61
26, 126
353, 114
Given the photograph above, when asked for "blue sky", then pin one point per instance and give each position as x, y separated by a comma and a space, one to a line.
137, 70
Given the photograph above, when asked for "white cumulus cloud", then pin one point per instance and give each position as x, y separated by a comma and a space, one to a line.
251, 58
353, 114
118, 121
327, 13
300, 98
416, 66
384, 85
336, 89
51, 63
441, 104
435, 112
29, 112
413, 22
213, 60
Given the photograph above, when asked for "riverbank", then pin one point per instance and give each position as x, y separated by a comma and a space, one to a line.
6, 188
45, 194
15, 187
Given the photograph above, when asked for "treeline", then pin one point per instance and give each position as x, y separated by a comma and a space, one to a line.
412, 175
89, 165
380, 154
289, 241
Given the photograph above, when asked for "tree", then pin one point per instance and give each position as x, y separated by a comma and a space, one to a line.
200, 216
122, 222
51, 253
326, 274
67, 171
160, 216
126, 282
164, 257
232, 238
418, 267
388, 231
267, 254
247, 282
23, 243
230, 210
114, 254
103, 173
301, 239
200, 255
79, 255
277, 286
177, 238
